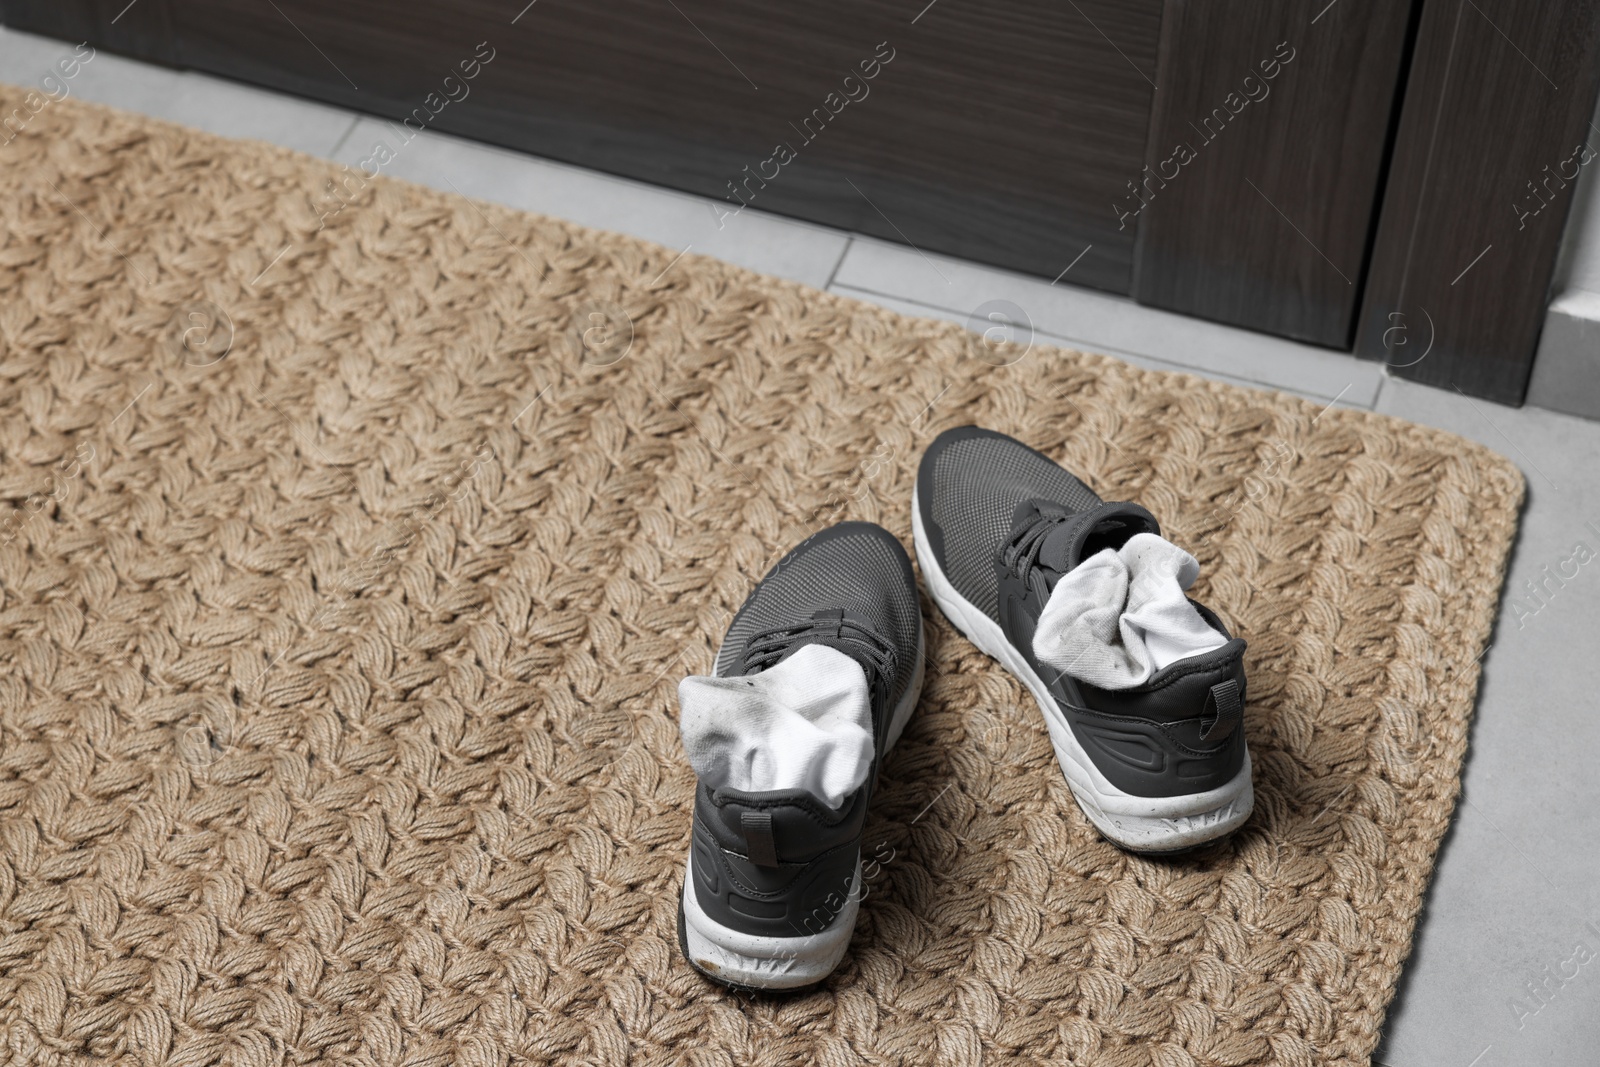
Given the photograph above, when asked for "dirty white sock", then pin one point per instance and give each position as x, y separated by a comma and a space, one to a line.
804, 724
1120, 616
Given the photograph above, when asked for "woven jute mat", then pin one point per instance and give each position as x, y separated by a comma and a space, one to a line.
356, 542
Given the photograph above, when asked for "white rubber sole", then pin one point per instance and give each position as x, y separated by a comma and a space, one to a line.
1142, 824
754, 961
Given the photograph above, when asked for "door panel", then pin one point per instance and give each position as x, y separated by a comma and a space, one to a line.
1495, 128
1282, 113
108, 24
991, 132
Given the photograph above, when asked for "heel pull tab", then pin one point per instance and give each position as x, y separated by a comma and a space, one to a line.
759, 844
1224, 709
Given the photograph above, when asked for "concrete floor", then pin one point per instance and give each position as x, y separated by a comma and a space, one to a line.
1516, 900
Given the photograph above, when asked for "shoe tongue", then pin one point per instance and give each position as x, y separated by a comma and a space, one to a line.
1108, 525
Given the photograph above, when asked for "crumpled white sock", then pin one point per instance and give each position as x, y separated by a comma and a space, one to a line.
804, 724
1120, 616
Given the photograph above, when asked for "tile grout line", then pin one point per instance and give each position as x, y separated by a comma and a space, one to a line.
355, 120
834, 273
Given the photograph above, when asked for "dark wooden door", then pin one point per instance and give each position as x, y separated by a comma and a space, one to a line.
1015, 133
1280, 114
1494, 133
995, 133
1225, 159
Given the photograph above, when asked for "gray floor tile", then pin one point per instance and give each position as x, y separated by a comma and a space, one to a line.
25, 58
761, 242
219, 106
923, 311
1102, 322
104, 79
235, 110
1518, 884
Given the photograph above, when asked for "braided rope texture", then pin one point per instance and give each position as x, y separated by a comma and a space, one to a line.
346, 588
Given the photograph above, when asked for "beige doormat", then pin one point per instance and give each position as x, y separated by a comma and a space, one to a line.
352, 556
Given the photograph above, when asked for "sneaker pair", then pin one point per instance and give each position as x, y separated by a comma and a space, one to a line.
1142, 691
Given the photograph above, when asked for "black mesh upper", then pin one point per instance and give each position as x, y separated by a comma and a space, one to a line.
968, 487
857, 566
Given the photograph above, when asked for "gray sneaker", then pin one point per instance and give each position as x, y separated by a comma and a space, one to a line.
774, 878
1159, 767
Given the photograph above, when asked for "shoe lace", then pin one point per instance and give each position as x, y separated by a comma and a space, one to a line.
1020, 552
766, 647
